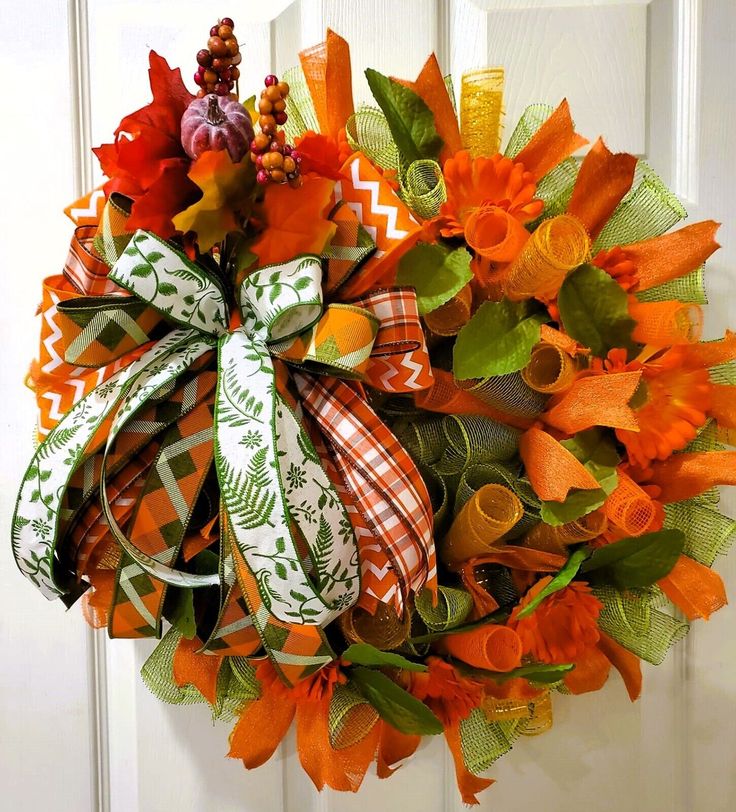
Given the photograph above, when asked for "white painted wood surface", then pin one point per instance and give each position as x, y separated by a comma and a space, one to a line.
655, 79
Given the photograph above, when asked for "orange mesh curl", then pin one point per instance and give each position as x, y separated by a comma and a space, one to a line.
327, 72
495, 648
712, 353
600, 400
551, 468
446, 397
449, 318
583, 529
544, 542
602, 182
495, 234
384, 629
556, 247
663, 324
481, 108
629, 507
683, 476
696, 590
723, 406
554, 141
485, 518
430, 87
550, 369
550, 335
672, 255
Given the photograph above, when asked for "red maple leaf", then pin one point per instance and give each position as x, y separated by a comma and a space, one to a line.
147, 161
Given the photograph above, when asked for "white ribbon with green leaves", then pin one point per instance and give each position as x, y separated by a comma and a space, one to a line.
273, 486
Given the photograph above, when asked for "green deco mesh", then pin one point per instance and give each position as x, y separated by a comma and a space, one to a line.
648, 210
299, 105
453, 606
367, 130
236, 682
688, 288
510, 394
708, 533
631, 619
422, 188
484, 742
475, 439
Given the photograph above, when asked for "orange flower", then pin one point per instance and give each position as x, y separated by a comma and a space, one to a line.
475, 182
450, 696
617, 264
562, 627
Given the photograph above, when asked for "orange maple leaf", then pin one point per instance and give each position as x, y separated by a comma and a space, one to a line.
295, 220
226, 200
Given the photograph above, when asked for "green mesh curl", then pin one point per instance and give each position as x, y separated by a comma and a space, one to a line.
158, 673
708, 533
475, 439
509, 393
648, 210
367, 131
630, 618
531, 120
688, 288
349, 717
423, 189
424, 439
236, 686
453, 606
299, 105
439, 497
484, 742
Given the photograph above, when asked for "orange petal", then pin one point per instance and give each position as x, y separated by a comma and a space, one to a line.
603, 180
551, 468
712, 353
554, 141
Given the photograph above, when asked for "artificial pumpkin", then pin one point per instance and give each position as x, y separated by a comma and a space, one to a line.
216, 123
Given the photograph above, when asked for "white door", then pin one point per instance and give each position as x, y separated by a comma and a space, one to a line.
79, 731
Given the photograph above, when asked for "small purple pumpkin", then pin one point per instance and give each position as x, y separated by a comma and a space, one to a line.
216, 123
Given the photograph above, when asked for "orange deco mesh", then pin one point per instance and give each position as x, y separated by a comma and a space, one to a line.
550, 369
629, 507
546, 537
554, 249
487, 516
449, 318
496, 648
327, 71
663, 324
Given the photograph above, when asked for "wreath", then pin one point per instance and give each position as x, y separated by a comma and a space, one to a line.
377, 428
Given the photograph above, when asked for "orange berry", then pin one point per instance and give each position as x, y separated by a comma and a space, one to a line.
279, 106
262, 141
225, 31
283, 88
278, 176
210, 77
272, 93
265, 107
217, 46
289, 165
231, 46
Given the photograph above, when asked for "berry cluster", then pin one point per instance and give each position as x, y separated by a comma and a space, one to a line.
277, 161
218, 62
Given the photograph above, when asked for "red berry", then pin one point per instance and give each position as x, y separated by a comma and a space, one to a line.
281, 118
199, 78
214, 30
262, 177
227, 21
270, 80
222, 89
259, 161
225, 75
204, 58
275, 146
296, 156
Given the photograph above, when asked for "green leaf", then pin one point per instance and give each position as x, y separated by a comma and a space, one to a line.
497, 340
542, 673
181, 614
167, 289
280, 570
560, 581
639, 561
436, 273
395, 705
365, 654
598, 455
410, 120
141, 271
594, 311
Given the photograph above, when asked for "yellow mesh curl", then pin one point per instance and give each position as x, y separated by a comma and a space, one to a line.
544, 536
486, 517
559, 245
550, 369
452, 316
384, 629
481, 109
423, 188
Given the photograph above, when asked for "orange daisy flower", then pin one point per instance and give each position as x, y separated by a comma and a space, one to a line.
562, 627
450, 696
473, 183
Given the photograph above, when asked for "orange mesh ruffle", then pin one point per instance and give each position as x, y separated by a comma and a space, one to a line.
550, 369
664, 324
723, 406
554, 141
683, 476
696, 590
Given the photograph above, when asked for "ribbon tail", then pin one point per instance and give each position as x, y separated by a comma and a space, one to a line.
261, 727
468, 783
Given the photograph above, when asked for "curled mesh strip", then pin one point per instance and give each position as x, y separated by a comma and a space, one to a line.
350, 717
423, 188
629, 618
453, 606
648, 210
724, 373
531, 120
475, 439
367, 130
708, 533
509, 393
423, 439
